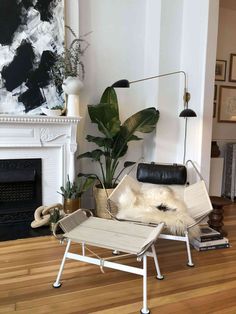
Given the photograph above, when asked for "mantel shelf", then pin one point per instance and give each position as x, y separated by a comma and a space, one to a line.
39, 119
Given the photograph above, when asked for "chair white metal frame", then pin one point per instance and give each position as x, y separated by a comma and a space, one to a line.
195, 196
126, 237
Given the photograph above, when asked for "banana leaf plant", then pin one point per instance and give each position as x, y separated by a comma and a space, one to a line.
113, 142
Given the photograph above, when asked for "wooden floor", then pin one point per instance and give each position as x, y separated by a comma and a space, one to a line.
28, 268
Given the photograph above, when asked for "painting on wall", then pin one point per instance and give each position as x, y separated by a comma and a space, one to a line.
227, 104
31, 37
232, 68
220, 70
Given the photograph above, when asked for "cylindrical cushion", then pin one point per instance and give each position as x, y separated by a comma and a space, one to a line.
161, 173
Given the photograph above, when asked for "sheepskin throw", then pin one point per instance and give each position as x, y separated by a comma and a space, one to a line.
155, 205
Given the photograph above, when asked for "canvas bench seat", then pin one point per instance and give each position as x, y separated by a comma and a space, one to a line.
127, 237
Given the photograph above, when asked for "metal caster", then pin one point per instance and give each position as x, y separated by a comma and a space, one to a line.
57, 285
146, 312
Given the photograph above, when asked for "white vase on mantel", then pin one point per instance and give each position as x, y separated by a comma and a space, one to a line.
72, 86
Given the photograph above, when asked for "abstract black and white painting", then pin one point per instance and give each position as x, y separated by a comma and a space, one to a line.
31, 36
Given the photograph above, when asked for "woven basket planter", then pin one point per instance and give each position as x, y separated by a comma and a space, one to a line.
100, 196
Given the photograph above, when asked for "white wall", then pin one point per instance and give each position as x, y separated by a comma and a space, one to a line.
226, 45
198, 55
124, 41
136, 38
171, 87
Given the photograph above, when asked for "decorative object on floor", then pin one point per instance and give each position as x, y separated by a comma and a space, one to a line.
42, 214
113, 235
227, 104
55, 215
186, 113
68, 71
113, 144
32, 36
73, 191
216, 217
209, 239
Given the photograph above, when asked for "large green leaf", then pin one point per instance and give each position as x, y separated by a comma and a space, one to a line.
100, 141
143, 121
106, 113
95, 155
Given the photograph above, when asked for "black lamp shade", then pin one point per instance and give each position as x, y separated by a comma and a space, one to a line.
187, 113
121, 84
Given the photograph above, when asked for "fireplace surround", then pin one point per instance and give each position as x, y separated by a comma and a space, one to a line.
51, 139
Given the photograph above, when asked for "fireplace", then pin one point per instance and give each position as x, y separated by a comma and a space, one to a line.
20, 189
52, 142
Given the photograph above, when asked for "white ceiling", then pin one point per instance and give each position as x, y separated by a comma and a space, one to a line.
228, 4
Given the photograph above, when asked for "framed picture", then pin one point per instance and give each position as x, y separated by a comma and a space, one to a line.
215, 93
214, 109
232, 68
220, 70
227, 104
32, 37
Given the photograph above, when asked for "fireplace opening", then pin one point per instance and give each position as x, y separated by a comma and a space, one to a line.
20, 189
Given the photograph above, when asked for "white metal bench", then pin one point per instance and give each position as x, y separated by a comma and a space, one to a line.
126, 237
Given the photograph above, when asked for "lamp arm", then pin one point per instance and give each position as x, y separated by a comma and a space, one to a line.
162, 75
186, 96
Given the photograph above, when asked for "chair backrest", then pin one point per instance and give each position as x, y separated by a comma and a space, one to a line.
126, 181
197, 200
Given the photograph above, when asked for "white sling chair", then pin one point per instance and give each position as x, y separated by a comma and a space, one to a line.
126, 237
195, 196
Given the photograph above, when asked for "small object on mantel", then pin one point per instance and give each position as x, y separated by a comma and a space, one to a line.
216, 217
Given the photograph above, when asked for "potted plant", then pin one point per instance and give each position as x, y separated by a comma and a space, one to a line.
73, 191
54, 111
113, 142
55, 216
68, 70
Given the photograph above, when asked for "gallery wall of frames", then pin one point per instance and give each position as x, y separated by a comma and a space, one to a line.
225, 95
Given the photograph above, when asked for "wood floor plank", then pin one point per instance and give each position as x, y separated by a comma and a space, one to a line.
28, 267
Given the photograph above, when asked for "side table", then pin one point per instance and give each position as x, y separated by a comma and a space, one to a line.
216, 217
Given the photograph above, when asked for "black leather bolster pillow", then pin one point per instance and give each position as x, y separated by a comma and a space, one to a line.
161, 173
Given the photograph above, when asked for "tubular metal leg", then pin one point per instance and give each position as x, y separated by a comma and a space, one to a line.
83, 249
190, 262
145, 309
159, 275
57, 283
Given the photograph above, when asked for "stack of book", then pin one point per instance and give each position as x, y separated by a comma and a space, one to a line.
209, 239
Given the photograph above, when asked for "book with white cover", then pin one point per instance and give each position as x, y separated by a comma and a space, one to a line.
197, 243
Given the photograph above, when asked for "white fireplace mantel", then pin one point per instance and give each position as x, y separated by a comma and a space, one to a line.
53, 139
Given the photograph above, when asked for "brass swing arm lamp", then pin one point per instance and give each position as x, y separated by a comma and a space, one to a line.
186, 113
